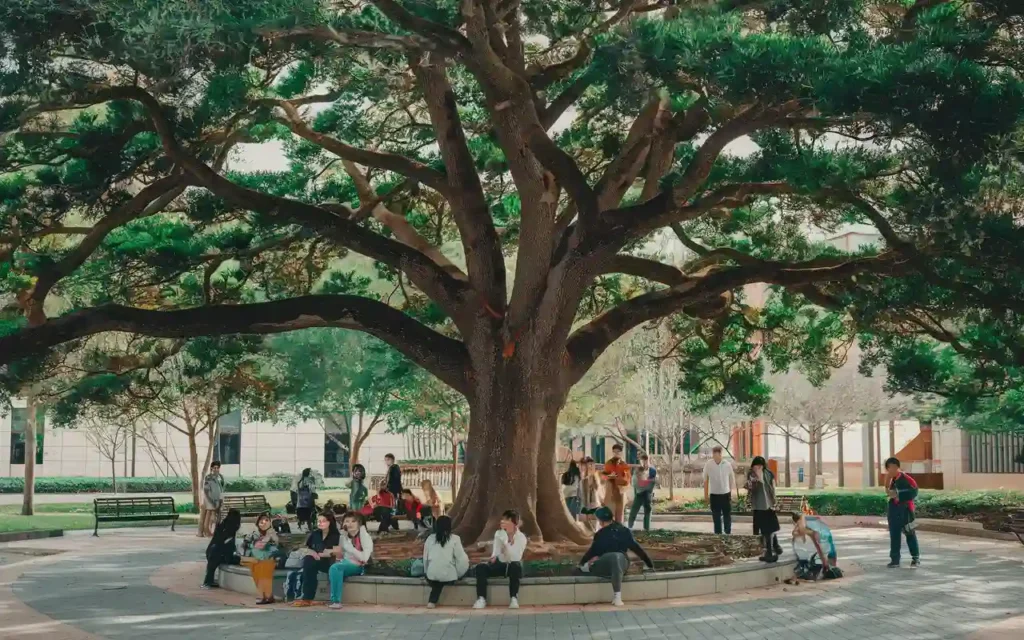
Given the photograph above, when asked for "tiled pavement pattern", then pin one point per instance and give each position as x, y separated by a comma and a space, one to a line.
965, 586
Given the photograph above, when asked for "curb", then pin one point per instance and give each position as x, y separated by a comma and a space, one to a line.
21, 536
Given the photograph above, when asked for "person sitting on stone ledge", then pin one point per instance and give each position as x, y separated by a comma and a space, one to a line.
506, 560
383, 507
221, 549
444, 559
413, 508
260, 550
607, 554
322, 546
356, 549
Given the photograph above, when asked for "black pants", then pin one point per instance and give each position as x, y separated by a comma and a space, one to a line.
641, 500
512, 570
383, 514
305, 517
311, 568
216, 555
721, 512
435, 590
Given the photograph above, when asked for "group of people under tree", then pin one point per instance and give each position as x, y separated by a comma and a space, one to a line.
585, 489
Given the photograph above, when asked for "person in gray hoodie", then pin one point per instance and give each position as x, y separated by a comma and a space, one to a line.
761, 488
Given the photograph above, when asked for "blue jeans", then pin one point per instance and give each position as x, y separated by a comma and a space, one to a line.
339, 571
574, 506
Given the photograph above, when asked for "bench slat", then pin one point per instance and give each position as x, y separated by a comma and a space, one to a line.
133, 510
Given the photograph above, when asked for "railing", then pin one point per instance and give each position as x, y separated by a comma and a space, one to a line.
440, 475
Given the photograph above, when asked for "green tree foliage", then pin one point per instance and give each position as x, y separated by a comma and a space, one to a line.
479, 184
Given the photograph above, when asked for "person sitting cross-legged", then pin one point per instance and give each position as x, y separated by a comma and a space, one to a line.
356, 549
607, 554
506, 560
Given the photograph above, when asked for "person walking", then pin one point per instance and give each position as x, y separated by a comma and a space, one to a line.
902, 489
719, 484
607, 557
644, 478
213, 499
761, 486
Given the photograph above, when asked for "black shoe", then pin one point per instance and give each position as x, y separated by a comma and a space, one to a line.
778, 549
915, 563
771, 559
893, 565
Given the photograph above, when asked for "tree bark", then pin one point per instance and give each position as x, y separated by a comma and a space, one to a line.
819, 470
812, 462
878, 449
841, 477
454, 433
28, 499
135, 430
193, 466
113, 473
892, 438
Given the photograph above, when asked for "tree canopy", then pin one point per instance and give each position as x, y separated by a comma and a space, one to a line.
477, 184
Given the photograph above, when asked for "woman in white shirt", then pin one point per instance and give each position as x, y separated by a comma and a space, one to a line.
356, 549
506, 560
572, 488
444, 559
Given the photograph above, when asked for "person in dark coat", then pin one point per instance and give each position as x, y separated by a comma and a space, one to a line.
394, 484
221, 549
607, 554
902, 490
761, 491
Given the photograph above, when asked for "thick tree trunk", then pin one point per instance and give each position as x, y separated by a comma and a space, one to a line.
28, 498
510, 457
842, 461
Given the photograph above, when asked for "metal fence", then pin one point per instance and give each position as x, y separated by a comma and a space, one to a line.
994, 453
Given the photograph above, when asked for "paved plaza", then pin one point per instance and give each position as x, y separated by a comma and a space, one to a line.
140, 584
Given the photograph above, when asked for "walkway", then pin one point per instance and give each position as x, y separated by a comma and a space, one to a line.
968, 589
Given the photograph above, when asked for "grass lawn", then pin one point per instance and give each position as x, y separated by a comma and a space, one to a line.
72, 521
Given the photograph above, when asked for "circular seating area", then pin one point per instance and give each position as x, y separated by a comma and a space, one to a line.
567, 590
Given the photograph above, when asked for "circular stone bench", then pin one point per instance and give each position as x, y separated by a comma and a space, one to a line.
563, 590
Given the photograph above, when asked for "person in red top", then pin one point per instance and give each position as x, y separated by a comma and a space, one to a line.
413, 508
616, 473
902, 489
383, 504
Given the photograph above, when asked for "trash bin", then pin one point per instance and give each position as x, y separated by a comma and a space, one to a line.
800, 474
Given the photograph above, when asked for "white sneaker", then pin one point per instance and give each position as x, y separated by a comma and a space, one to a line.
431, 605
480, 603
513, 603
617, 600
334, 605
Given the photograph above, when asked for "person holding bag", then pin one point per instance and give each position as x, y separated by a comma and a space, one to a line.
761, 488
260, 550
444, 559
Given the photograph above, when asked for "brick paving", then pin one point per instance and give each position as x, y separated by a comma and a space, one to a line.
968, 589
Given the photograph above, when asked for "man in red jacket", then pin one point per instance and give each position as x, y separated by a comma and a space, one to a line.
902, 490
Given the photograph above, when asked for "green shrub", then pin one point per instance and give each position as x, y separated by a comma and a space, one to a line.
141, 485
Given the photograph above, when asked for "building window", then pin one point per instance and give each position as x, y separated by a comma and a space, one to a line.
337, 442
597, 449
229, 439
19, 426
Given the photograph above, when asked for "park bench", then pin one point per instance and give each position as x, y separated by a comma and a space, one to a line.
133, 510
791, 504
249, 505
1017, 524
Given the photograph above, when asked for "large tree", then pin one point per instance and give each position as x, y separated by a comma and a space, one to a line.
503, 164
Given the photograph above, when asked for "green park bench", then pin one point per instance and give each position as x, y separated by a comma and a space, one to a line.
248, 505
133, 510
790, 503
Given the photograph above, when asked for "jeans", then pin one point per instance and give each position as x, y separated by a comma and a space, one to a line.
310, 568
512, 570
611, 565
642, 499
337, 574
573, 505
721, 511
435, 590
896, 534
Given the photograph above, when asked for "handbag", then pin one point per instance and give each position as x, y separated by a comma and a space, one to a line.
416, 569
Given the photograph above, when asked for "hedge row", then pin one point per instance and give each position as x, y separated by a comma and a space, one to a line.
953, 505
140, 485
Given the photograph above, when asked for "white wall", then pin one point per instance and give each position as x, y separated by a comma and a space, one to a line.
853, 448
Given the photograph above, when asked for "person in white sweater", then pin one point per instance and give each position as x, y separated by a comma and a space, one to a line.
356, 549
506, 560
444, 559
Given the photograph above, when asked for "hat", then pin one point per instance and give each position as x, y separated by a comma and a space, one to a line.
604, 514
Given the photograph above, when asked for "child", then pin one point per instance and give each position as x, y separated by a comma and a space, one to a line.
413, 508
506, 560
382, 505
356, 549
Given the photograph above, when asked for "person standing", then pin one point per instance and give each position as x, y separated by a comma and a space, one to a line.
572, 489
761, 485
607, 554
902, 489
719, 484
590, 492
357, 493
644, 478
305, 499
394, 483
506, 560
616, 474
213, 499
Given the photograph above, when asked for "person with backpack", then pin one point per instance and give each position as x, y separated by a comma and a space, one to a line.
902, 489
305, 499
444, 559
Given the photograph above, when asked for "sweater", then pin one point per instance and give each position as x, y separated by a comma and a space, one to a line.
357, 550
394, 480
615, 538
506, 551
617, 469
761, 492
445, 563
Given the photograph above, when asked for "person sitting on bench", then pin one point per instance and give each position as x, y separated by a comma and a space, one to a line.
383, 506
413, 508
221, 549
607, 554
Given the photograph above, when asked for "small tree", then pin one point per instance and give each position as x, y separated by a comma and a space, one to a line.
108, 437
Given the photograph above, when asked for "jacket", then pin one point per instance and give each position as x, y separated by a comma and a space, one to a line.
761, 492
616, 469
357, 495
615, 538
508, 551
394, 480
643, 479
445, 563
901, 508
357, 554
213, 487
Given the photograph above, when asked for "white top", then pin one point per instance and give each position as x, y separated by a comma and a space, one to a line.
719, 477
506, 551
349, 551
447, 563
571, 490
